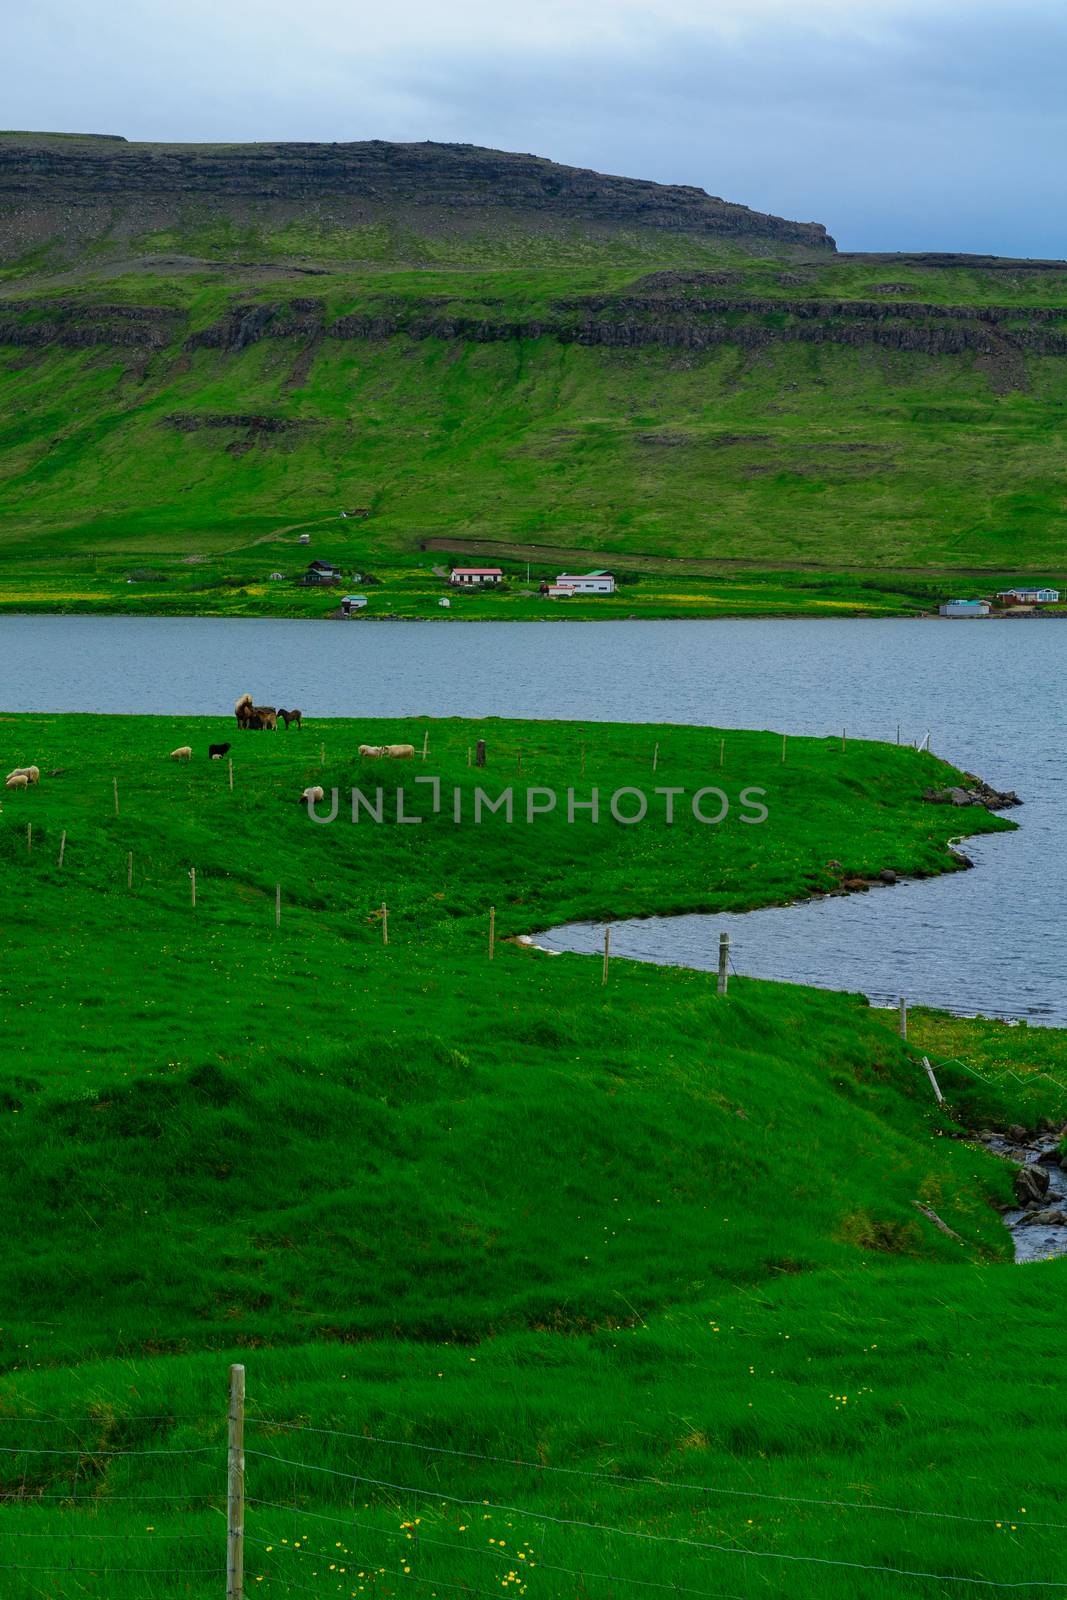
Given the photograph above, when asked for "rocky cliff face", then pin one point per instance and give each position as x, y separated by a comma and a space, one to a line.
47, 182
647, 316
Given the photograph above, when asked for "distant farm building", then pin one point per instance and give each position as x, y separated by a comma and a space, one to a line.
965, 608
1029, 597
571, 583
321, 572
276, 577
352, 602
475, 577
305, 538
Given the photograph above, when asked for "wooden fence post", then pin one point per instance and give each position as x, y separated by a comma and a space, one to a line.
129, 870
783, 749
192, 880
903, 1018
898, 733
479, 753
62, 846
492, 931
385, 923
425, 742
724, 963
933, 1081
607, 953
29, 837
277, 905
722, 752
655, 757
235, 1487
468, 755
842, 738
231, 774
583, 760
115, 786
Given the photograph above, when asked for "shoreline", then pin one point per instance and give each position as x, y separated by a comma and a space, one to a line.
808, 614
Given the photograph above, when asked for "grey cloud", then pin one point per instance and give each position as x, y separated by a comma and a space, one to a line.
937, 128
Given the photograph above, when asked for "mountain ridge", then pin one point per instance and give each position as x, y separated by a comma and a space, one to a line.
43, 176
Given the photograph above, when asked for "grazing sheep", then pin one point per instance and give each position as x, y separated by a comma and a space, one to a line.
371, 752
399, 752
313, 796
33, 774
183, 753
17, 780
217, 751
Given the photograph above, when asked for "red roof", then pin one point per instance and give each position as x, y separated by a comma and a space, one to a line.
480, 571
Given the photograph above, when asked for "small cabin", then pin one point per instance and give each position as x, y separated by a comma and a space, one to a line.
351, 603
583, 583
964, 608
1029, 597
276, 577
475, 577
321, 572
305, 538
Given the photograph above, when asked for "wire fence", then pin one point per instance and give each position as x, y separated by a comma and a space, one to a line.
350, 1512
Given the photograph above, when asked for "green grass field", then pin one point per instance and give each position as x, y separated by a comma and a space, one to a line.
594, 1288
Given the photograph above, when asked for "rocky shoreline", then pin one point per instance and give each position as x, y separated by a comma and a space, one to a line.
978, 794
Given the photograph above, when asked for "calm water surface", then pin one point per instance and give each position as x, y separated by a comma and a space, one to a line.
991, 694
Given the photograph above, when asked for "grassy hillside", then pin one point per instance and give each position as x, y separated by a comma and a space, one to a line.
615, 1232
738, 433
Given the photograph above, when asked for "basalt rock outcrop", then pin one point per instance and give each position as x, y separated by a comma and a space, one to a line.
691, 322
81, 325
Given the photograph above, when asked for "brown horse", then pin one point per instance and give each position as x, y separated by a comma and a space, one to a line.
292, 716
250, 716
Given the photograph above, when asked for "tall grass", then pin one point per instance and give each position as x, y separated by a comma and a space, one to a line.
636, 1230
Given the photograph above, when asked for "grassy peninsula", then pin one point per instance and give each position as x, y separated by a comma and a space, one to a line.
648, 1259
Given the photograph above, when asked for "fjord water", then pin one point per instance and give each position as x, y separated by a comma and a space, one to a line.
991, 694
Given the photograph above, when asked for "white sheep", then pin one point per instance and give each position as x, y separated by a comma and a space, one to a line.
402, 752
33, 774
183, 753
313, 796
17, 780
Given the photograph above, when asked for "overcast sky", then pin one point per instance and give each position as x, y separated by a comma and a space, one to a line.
900, 125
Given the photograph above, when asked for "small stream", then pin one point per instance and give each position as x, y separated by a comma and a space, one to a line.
1039, 1230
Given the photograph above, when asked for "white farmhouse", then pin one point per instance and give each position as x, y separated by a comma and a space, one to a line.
568, 583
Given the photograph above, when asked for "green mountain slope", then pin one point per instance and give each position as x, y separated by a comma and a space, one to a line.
621, 372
